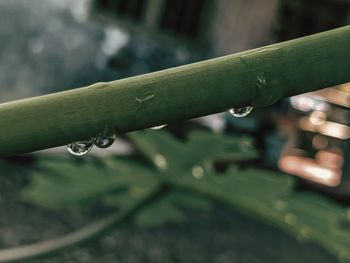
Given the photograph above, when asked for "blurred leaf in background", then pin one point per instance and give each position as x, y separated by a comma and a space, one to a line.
187, 173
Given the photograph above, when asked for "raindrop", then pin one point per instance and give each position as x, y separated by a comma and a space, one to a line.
104, 142
158, 127
80, 148
241, 112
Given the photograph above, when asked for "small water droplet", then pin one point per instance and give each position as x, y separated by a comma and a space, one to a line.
80, 148
158, 127
104, 142
241, 112
197, 172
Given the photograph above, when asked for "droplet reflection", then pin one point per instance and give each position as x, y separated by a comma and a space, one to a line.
158, 127
80, 148
241, 112
104, 141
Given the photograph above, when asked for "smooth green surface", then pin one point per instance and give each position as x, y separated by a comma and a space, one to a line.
258, 77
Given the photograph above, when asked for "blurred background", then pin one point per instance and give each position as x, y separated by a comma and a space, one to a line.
53, 45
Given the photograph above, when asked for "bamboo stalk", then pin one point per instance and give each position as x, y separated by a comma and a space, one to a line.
257, 77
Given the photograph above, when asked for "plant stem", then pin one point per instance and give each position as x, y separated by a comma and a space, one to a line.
258, 77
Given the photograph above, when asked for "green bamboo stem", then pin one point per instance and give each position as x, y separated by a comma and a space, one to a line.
258, 77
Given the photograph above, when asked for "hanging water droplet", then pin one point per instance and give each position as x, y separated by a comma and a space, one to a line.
81, 147
158, 127
241, 112
102, 140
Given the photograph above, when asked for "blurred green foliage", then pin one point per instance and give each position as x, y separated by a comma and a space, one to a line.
186, 171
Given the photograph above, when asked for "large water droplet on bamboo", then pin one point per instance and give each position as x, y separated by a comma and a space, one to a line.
241, 112
81, 147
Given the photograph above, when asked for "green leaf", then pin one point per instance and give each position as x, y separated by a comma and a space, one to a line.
159, 213
171, 209
199, 148
61, 182
185, 169
269, 196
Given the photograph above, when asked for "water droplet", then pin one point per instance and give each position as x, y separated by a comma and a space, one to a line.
158, 127
81, 147
102, 140
241, 112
